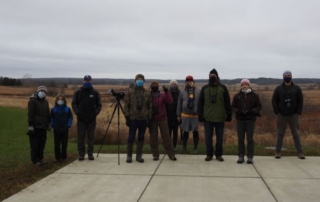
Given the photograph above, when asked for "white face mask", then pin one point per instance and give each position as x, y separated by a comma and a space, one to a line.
41, 94
60, 102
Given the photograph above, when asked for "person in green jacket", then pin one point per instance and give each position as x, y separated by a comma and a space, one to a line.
214, 109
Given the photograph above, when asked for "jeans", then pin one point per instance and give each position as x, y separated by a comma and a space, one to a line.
245, 128
209, 127
141, 126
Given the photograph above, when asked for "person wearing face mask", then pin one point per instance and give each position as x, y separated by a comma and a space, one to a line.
287, 103
60, 120
38, 120
171, 109
160, 121
214, 109
86, 104
137, 110
247, 106
187, 113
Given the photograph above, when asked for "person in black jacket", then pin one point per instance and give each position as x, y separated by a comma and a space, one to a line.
86, 104
60, 120
172, 112
246, 105
38, 120
287, 103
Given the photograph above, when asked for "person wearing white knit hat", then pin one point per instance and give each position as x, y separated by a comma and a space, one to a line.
247, 106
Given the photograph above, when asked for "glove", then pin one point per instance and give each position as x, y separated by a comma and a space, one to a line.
229, 118
30, 131
128, 121
165, 89
200, 118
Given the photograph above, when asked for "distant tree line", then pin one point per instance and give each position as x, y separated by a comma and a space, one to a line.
6, 81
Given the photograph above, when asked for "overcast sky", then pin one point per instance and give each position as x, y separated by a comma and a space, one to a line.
164, 39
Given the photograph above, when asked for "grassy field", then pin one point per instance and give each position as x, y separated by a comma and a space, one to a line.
17, 172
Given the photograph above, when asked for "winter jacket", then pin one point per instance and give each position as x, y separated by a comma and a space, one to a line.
246, 106
184, 102
138, 104
214, 103
172, 109
287, 100
159, 101
38, 112
61, 119
86, 104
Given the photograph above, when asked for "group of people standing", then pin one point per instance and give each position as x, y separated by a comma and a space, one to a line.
166, 110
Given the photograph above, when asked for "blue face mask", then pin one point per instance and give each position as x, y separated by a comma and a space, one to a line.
87, 85
139, 83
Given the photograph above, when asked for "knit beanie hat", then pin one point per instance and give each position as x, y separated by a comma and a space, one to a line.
139, 76
42, 88
173, 81
154, 83
189, 77
214, 71
87, 78
288, 72
245, 81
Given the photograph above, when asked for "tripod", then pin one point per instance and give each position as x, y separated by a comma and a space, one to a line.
116, 108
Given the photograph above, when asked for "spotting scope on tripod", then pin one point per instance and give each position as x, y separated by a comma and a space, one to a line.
117, 107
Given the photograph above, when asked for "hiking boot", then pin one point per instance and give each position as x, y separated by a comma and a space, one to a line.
81, 157
301, 156
208, 158
219, 158
249, 161
173, 158
278, 155
90, 157
241, 159
156, 158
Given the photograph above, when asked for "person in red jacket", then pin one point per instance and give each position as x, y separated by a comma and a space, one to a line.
160, 120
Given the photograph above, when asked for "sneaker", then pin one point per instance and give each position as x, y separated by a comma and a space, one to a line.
219, 158
301, 156
81, 158
208, 158
90, 157
278, 155
241, 159
249, 161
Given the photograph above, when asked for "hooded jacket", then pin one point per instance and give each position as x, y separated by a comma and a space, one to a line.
38, 112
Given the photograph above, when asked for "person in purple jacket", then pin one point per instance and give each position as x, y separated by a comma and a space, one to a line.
160, 120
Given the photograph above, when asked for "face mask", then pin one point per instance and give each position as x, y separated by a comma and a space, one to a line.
139, 83
41, 95
87, 84
174, 88
60, 102
213, 79
155, 88
287, 79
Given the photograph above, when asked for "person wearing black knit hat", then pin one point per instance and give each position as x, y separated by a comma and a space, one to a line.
287, 103
214, 109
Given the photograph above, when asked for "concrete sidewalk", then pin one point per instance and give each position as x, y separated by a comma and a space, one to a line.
190, 178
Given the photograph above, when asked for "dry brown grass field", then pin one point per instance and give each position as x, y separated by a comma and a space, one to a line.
265, 126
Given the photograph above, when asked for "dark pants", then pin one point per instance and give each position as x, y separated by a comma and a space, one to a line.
245, 128
173, 131
37, 144
85, 131
293, 122
164, 131
186, 137
141, 126
209, 127
60, 145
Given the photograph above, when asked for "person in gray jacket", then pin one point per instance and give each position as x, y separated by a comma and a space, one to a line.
187, 113
287, 103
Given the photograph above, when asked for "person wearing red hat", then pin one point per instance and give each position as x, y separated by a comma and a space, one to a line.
86, 104
247, 106
214, 109
187, 113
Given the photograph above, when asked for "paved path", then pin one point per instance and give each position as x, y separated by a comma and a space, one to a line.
190, 178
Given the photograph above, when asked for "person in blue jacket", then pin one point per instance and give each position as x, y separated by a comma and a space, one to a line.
61, 120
